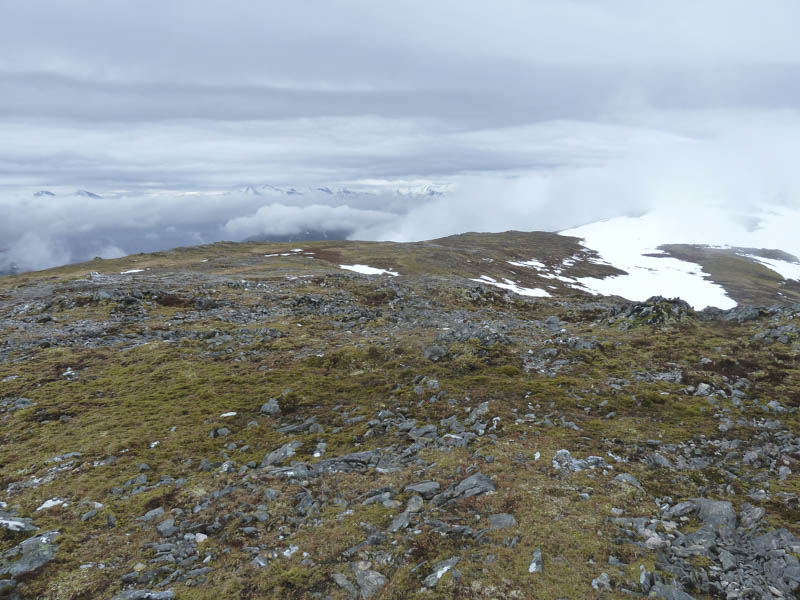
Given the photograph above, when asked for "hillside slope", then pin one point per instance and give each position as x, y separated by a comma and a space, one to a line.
255, 421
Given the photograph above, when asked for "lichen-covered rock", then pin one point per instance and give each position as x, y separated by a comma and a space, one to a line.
28, 556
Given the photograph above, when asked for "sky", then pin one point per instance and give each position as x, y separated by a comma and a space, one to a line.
402, 119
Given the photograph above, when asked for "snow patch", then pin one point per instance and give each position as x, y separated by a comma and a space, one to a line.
513, 287
631, 244
129, 271
51, 503
365, 270
786, 269
13, 525
529, 263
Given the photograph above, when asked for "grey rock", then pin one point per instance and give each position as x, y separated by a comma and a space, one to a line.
167, 527
144, 595
537, 565
62, 457
474, 485
343, 582
14, 404
750, 516
628, 479
716, 513
776, 406
563, 461
681, 509
478, 412
727, 560
298, 427
89, 514
502, 521
426, 431
370, 582
219, 432
399, 522
435, 352
356, 461
30, 555
16, 524
668, 592
703, 389
414, 504
152, 515
281, 454
439, 570
603, 582
657, 461
270, 407
426, 489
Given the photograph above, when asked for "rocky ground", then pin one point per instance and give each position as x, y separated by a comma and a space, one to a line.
215, 423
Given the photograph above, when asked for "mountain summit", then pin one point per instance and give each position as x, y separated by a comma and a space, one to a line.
464, 417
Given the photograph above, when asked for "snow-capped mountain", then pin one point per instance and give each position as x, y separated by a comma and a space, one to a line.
363, 190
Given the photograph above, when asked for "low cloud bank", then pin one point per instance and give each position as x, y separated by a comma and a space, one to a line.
680, 164
282, 220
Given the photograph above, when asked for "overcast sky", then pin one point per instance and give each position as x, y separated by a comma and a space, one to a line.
552, 113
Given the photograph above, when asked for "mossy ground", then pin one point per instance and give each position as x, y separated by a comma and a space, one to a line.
156, 404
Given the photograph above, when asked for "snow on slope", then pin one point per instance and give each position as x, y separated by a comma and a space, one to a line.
367, 270
787, 270
513, 287
626, 242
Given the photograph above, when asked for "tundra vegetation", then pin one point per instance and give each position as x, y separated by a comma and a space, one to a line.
253, 421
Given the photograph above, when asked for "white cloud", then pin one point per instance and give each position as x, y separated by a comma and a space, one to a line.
543, 115
734, 164
32, 251
280, 219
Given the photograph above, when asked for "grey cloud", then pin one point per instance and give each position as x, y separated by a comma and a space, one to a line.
530, 115
740, 161
280, 220
505, 94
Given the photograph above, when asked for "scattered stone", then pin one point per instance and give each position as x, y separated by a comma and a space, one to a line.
716, 513
628, 479
668, 592
270, 407
343, 582
435, 352
474, 485
563, 461
281, 454
426, 489
167, 527
439, 571
602, 583
537, 565
502, 521
370, 582
415, 504
16, 524
144, 595
152, 515
399, 522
